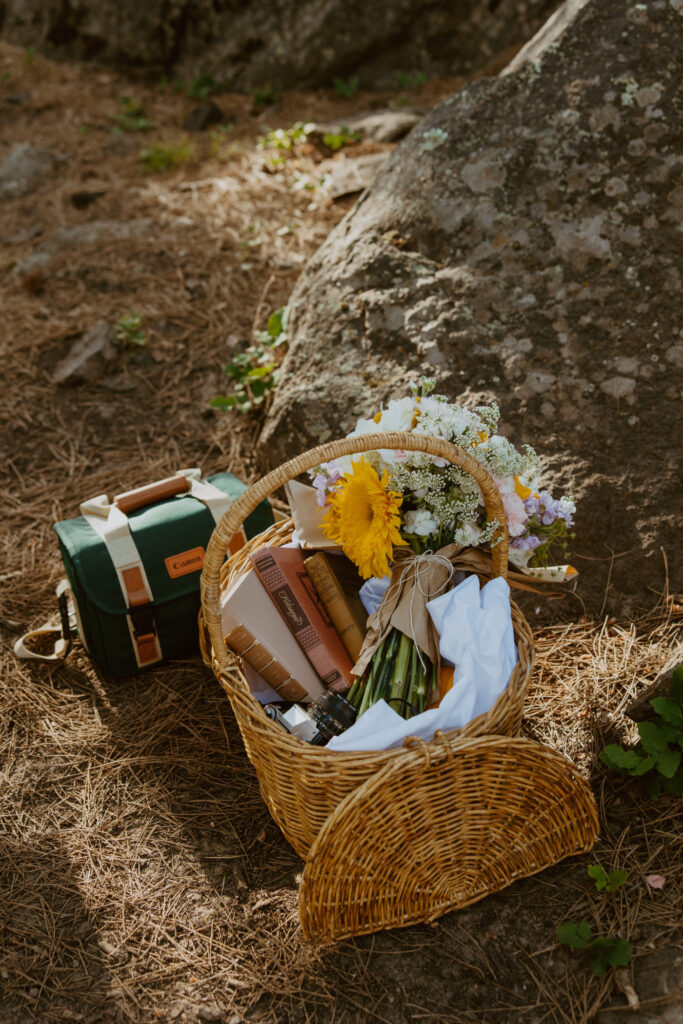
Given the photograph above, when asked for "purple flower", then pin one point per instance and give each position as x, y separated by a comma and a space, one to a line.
528, 543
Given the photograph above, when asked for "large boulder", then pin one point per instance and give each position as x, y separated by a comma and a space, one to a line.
524, 243
251, 43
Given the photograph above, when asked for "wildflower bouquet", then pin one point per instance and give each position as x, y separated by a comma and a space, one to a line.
408, 515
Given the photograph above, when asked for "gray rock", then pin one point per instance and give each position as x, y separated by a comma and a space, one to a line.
248, 45
203, 117
490, 254
349, 175
25, 168
94, 231
88, 357
641, 710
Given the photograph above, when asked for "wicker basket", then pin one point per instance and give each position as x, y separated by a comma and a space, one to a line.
316, 795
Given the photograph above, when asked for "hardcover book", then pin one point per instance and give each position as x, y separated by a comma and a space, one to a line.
254, 629
282, 572
337, 583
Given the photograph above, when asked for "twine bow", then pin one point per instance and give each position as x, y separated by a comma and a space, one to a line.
418, 570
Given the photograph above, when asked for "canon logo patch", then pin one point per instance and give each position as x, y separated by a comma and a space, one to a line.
185, 562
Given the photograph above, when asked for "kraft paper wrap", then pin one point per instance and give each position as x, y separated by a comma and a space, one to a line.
415, 580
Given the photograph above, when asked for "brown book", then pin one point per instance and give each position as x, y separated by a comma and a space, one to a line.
337, 583
253, 628
282, 572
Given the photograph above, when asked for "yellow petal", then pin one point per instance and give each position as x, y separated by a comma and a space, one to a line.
522, 491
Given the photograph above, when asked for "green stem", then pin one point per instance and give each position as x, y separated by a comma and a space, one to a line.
355, 689
401, 673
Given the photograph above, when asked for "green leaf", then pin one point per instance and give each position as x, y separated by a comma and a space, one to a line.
616, 879
597, 873
578, 935
258, 372
223, 402
617, 758
676, 688
669, 710
668, 762
620, 953
651, 737
645, 765
259, 388
275, 327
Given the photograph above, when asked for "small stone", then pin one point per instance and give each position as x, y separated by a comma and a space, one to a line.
25, 168
27, 235
16, 98
81, 200
203, 117
210, 1013
88, 357
83, 234
118, 382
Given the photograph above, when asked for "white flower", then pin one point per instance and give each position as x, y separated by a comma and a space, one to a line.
421, 523
468, 535
398, 415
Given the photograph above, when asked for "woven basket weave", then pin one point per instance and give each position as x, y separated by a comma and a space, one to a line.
311, 792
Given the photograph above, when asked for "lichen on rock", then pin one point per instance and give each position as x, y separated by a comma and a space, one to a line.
534, 256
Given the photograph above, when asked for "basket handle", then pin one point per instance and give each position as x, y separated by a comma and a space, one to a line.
245, 504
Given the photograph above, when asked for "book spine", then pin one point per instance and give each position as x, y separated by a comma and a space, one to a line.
263, 662
336, 604
300, 625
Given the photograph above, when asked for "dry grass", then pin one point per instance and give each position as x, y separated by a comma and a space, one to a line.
142, 879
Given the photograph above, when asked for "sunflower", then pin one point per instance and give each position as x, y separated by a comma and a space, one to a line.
364, 519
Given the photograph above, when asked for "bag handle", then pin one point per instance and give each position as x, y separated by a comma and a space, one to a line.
395, 441
129, 501
61, 633
185, 481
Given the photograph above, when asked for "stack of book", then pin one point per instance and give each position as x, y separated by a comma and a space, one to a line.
297, 622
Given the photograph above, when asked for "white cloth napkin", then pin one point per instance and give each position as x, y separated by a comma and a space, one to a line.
476, 635
372, 592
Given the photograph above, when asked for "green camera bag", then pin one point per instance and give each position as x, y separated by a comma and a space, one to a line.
133, 567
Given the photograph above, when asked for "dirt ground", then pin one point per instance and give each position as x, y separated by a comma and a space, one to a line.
142, 878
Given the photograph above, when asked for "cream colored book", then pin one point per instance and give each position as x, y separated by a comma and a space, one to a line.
253, 627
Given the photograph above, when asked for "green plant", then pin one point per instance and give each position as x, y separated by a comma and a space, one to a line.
5, 77
606, 882
264, 96
604, 952
129, 331
656, 759
256, 371
348, 88
337, 140
29, 54
131, 117
412, 80
285, 138
202, 86
164, 156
